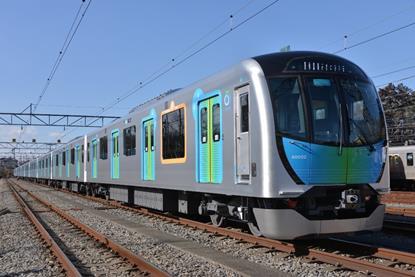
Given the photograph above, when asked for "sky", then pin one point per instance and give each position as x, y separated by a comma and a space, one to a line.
121, 43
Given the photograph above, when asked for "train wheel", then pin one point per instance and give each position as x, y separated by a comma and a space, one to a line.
253, 227
217, 220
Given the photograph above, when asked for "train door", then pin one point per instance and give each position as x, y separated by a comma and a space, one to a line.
94, 161
210, 141
115, 155
242, 125
148, 161
77, 161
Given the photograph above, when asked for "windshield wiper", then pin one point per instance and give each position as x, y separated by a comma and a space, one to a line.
362, 136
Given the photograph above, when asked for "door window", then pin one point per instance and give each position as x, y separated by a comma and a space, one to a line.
203, 125
244, 113
216, 122
148, 157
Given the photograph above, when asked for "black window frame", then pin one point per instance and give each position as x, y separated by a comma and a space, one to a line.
82, 153
72, 155
174, 146
103, 148
129, 141
88, 153
64, 158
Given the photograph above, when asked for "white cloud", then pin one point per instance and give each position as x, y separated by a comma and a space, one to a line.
55, 135
7, 133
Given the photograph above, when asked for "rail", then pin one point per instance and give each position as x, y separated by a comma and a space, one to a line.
145, 267
287, 247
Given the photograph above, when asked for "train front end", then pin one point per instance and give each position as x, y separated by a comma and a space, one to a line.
331, 144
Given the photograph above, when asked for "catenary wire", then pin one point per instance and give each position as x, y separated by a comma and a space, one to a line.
69, 38
375, 37
395, 81
186, 58
384, 19
393, 71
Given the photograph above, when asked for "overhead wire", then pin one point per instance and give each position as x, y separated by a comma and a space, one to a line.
374, 38
155, 77
160, 72
391, 72
203, 37
69, 38
395, 81
186, 58
384, 19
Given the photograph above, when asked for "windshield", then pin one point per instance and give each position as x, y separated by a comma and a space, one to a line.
365, 117
325, 110
339, 110
288, 107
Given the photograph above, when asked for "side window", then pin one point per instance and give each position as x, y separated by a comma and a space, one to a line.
173, 135
216, 122
244, 113
409, 159
56, 160
64, 158
203, 125
82, 153
72, 156
88, 152
129, 135
103, 148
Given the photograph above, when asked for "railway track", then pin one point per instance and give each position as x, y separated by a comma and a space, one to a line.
78, 248
399, 224
362, 262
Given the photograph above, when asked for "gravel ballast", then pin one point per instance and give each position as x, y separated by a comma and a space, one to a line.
279, 261
21, 250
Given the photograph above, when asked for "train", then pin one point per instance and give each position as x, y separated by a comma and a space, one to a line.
292, 144
402, 168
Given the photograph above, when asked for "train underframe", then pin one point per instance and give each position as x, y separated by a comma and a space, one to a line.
321, 211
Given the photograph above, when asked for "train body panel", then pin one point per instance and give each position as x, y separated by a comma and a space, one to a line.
273, 138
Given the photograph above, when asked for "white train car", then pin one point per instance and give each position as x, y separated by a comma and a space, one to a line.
402, 167
293, 144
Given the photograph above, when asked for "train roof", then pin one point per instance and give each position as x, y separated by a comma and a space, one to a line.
294, 61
